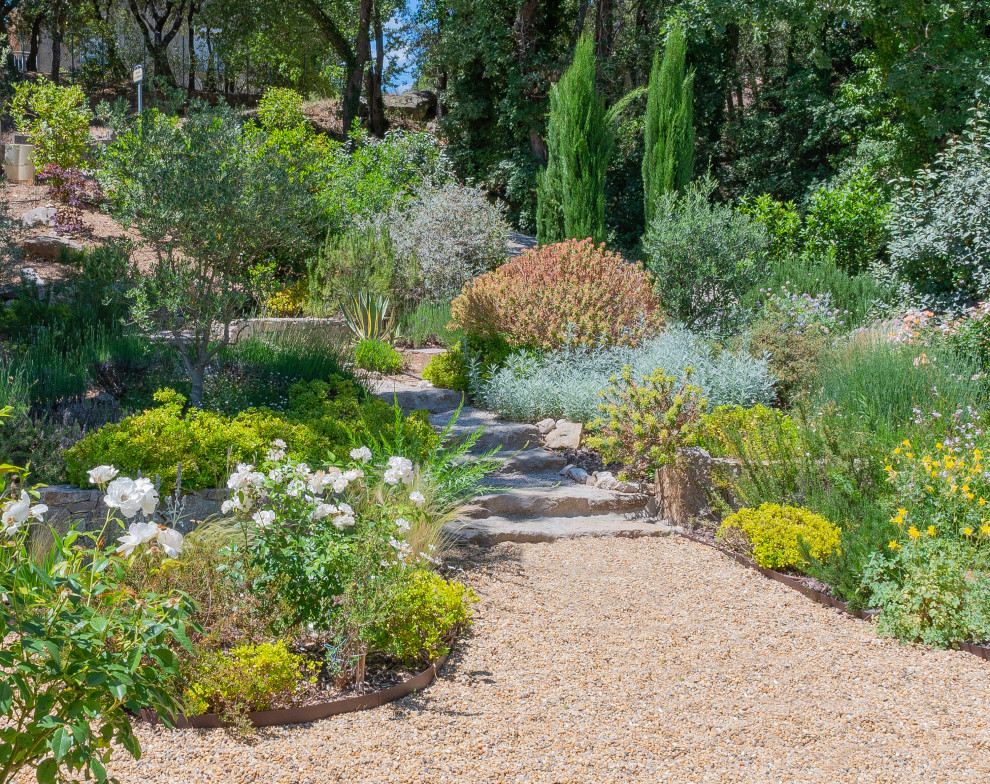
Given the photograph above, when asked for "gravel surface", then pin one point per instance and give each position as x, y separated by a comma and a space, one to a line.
642, 660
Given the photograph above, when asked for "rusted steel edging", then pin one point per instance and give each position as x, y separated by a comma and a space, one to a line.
982, 651
307, 713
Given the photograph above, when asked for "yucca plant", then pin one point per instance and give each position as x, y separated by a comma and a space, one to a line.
370, 317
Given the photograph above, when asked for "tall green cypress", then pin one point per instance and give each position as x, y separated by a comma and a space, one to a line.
571, 190
668, 158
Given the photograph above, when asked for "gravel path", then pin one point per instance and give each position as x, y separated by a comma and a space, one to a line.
648, 660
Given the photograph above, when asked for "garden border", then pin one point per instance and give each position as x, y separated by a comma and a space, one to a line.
982, 651
308, 713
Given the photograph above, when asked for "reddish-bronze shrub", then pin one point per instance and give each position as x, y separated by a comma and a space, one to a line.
575, 286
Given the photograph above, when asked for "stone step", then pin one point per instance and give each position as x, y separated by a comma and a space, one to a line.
508, 436
412, 395
533, 461
564, 500
493, 530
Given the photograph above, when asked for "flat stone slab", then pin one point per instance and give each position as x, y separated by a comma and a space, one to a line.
509, 436
414, 395
533, 461
564, 500
493, 530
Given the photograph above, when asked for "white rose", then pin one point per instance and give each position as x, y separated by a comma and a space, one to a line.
264, 518
15, 513
340, 484
317, 482
102, 474
279, 443
124, 494
171, 541
417, 498
136, 535
345, 508
324, 510
296, 486
361, 454
354, 473
343, 521
401, 524
149, 496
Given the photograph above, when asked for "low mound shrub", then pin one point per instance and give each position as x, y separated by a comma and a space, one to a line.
572, 291
448, 370
378, 356
321, 419
758, 433
773, 535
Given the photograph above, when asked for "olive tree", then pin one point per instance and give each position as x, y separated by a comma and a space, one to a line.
216, 201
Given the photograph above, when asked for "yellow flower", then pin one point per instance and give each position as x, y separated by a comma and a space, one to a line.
913, 532
897, 451
909, 455
902, 511
968, 531
965, 488
985, 530
893, 545
906, 442
970, 496
982, 502
929, 488
931, 530
938, 445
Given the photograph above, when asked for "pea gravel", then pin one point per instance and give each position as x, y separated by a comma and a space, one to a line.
646, 660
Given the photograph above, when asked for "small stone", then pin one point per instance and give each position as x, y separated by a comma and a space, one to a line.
45, 215
627, 487
606, 480
565, 436
545, 426
566, 470
578, 474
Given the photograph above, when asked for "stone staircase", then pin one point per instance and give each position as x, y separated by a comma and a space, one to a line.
526, 499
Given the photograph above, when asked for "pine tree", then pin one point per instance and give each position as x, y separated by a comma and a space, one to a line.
668, 159
571, 190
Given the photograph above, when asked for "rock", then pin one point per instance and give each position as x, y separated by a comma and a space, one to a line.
48, 246
38, 215
414, 104
545, 426
606, 480
579, 475
628, 487
566, 435
30, 275
566, 470
683, 487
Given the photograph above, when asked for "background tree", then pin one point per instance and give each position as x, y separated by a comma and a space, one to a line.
668, 159
571, 194
216, 202
159, 23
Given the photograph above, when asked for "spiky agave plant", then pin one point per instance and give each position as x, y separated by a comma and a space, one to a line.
370, 317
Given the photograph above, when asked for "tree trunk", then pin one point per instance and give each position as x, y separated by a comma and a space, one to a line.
604, 27
197, 374
377, 124
355, 68
35, 45
192, 50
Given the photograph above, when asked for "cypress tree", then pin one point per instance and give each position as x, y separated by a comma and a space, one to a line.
668, 159
571, 190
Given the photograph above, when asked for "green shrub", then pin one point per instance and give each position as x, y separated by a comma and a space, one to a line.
448, 370
378, 356
927, 591
757, 431
780, 220
56, 120
969, 335
703, 257
248, 678
360, 259
430, 324
645, 421
573, 291
321, 419
847, 223
281, 109
773, 535
424, 617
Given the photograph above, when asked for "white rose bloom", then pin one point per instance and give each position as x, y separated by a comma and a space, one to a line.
361, 454
345, 509
264, 518
343, 521
324, 510
354, 473
130, 496
279, 443
317, 482
401, 524
340, 484
295, 488
275, 455
102, 474
417, 498
15, 513
136, 535
171, 541
227, 506
392, 477
276, 474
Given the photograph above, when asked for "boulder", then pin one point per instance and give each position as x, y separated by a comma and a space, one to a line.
606, 480
565, 435
683, 487
45, 215
48, 246
414, 104
545, 426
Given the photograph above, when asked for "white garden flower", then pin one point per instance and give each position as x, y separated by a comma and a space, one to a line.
136, 535
264, 518
171, 541
324, 510
278, 442
276, 455
345, 509
399, 546
131, 496
295, 488
239, 501
102, 474
343, 521
245, 477
340, 484
15, 513
400, 469
353, 474
417, 498
361, 454
402, 524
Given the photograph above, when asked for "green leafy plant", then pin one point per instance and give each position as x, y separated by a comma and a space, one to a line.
573, 291
247, 678
378, 356
448, 370
759, 430
281, 109
429, 324
56, 120
773, 535
369, 317
426, 616
571, 190
645, 421
668, 158
781, 222
361, 258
